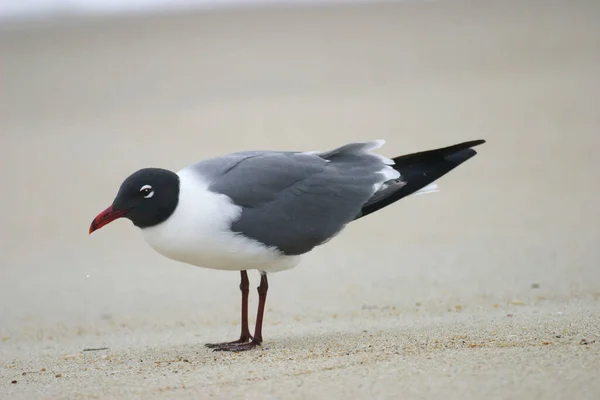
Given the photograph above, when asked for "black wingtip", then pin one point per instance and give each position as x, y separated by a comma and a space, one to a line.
436, 153
461, 152
422, 168
455, 147
474, 143
458, 157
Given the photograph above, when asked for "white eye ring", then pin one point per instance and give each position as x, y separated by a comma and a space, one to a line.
147, 188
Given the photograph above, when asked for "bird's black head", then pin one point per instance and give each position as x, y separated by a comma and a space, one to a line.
147, 198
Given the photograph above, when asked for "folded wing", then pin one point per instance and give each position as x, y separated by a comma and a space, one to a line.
295, 201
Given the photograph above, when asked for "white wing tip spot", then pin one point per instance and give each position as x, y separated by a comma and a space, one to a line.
376, 144
431, 188
389, 173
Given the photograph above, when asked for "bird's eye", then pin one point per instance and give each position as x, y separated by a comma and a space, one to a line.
147, 191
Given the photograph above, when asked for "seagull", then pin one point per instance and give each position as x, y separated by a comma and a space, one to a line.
263, 210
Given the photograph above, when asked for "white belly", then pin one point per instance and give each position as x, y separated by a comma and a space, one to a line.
219, 252
198, 233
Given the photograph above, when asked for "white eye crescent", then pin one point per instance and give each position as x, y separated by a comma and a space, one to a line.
147, 191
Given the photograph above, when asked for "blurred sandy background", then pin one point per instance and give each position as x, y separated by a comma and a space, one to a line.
488, 289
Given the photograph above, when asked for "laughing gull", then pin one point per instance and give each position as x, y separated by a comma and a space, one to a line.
264, 209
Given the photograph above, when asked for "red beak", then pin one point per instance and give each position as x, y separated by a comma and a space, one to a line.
106, 217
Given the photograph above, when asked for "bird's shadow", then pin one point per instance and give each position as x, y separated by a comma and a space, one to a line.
331, 343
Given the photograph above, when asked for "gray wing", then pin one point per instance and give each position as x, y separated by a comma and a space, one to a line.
295, 201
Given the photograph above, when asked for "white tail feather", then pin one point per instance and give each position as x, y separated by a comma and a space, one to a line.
431, 188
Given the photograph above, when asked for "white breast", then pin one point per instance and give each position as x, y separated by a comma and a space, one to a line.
198, 232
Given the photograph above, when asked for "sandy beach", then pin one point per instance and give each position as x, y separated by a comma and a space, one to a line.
489, 289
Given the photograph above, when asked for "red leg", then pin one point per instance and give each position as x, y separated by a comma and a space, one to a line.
262, 300
257, 339
245, 334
